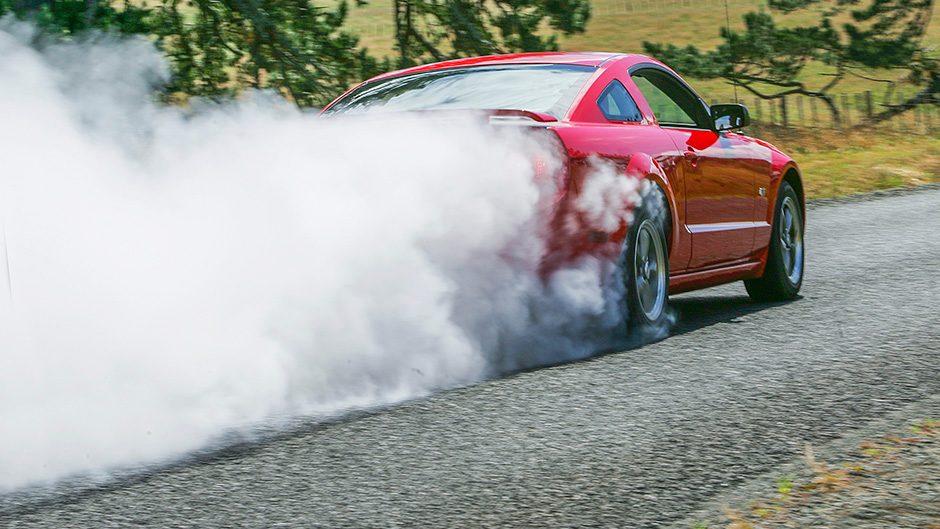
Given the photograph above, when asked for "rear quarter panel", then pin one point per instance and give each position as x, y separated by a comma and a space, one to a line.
633, 151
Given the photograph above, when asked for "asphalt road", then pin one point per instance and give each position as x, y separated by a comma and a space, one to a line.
632, 439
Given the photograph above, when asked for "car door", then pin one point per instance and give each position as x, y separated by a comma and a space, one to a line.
720, 171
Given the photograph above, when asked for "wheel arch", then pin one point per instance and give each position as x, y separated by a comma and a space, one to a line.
645, 167
792, 176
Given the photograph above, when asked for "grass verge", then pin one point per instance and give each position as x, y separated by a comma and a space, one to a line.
839, 163
891, 481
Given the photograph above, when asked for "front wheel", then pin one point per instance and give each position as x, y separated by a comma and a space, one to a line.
783, 275
645, 266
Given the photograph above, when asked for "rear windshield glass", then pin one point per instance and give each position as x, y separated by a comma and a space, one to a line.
548, 88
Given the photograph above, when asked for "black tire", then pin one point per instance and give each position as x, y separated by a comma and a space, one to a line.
646, 254
783, 275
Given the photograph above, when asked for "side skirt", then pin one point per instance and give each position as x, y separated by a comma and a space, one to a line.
716, 276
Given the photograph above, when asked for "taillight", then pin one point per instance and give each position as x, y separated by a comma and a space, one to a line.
541, 168
555, 170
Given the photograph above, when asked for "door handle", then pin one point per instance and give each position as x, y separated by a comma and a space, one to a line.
691, 157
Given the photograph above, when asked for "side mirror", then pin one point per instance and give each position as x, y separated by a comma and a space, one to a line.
730, 117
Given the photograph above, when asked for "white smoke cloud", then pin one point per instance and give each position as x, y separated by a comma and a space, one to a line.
177, 275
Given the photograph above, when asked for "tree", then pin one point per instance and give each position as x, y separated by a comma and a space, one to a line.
217, 48
769, 61
74, 16
443, 29
292, 46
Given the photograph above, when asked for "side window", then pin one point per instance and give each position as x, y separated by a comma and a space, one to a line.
617, 105
670, 101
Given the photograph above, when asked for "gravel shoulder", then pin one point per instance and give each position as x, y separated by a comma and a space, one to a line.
885, 474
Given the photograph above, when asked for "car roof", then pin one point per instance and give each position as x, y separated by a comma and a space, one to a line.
594, 59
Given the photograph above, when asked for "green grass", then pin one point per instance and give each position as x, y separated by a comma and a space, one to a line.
842, 163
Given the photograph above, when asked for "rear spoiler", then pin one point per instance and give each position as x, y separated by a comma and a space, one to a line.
505, 114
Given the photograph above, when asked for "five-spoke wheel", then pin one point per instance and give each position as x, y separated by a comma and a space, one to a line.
645, 265
649, 271
783, 275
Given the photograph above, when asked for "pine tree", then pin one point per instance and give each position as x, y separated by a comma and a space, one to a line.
769, 61
292, 46
217, 48
67, 17
428, 30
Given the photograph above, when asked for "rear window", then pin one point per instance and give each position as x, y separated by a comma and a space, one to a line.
548, 88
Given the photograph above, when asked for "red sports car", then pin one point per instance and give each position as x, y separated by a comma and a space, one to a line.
722, 206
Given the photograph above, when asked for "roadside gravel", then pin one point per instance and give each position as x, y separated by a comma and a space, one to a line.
885, 475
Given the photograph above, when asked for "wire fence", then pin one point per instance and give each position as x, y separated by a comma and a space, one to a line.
623, 7
853, 109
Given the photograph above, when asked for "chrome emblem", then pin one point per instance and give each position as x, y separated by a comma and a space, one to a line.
762, 191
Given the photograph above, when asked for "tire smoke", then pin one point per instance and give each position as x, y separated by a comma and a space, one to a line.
177, 274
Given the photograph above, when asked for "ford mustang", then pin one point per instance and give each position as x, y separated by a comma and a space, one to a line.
719, 206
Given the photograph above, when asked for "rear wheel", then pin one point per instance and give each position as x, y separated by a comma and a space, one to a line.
645, 265
783, 275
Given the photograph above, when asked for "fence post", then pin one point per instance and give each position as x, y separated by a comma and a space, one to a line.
799, 110
869, 106
896, 119
846, 118
772, 110
757, 109
898, 100
813, 112
784, 117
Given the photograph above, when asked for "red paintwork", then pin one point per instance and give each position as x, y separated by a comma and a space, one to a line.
721, 224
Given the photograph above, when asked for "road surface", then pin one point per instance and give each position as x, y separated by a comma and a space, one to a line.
632, 439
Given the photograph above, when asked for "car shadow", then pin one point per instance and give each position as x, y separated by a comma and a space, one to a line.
700, 311
690, 313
